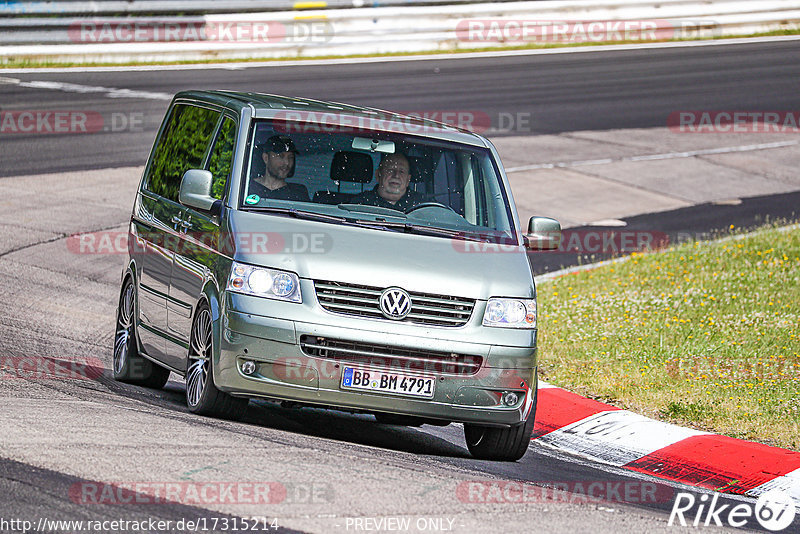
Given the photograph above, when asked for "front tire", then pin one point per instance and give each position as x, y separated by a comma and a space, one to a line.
128, 365
202, 396
503, 444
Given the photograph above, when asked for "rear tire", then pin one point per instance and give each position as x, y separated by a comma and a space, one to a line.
202, 396
503, 444
128, 365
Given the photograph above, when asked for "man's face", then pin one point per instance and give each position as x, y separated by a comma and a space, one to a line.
279, 164
393, 176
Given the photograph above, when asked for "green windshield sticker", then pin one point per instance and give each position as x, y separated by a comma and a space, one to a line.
252, 199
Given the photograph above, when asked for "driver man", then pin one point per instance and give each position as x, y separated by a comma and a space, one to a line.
278, 153
393, 176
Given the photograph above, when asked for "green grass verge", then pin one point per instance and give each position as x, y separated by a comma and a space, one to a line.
703, 334
27, 63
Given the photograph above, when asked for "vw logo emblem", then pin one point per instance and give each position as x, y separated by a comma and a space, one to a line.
395, 303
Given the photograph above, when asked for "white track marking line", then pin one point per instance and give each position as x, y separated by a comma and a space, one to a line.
110, 92
654, 157
419, 57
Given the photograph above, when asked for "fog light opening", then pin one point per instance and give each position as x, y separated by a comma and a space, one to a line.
509, 398
248, 367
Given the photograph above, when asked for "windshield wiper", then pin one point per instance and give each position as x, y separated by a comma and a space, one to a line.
421, 229
405, 227
300, 214
373, 210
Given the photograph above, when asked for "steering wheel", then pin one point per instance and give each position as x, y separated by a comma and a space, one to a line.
430, 205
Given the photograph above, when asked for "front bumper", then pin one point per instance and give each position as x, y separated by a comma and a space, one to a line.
284, 371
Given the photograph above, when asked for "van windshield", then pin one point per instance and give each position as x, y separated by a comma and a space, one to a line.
386, 179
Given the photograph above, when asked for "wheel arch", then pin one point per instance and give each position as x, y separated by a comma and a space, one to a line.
130, 270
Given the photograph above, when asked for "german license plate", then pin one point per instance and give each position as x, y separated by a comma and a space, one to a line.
385, 382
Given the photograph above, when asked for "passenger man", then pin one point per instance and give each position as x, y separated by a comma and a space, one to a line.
278, 153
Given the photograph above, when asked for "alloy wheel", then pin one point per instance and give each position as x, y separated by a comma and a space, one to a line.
199, 357
124, 332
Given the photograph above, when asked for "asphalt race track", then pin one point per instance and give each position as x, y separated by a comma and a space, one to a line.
561, 92
60, 437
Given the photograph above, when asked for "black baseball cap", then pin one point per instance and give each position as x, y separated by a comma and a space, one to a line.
278, 144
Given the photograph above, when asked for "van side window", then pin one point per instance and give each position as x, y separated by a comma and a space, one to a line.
221, 159
181, 147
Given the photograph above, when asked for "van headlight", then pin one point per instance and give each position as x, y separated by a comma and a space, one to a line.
267, 283
510, 313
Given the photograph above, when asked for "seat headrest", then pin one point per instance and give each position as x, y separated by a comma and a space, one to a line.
349, 166
421, 168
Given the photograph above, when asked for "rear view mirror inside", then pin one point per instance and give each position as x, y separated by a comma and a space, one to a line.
373, 145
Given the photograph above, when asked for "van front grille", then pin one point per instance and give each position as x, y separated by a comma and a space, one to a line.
389, 356
363, 301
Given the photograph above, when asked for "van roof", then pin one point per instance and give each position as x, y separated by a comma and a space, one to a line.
271, 106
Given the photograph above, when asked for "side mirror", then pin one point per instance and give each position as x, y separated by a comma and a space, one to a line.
544, 233
195, 191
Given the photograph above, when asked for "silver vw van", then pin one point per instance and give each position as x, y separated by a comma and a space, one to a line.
335, 256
